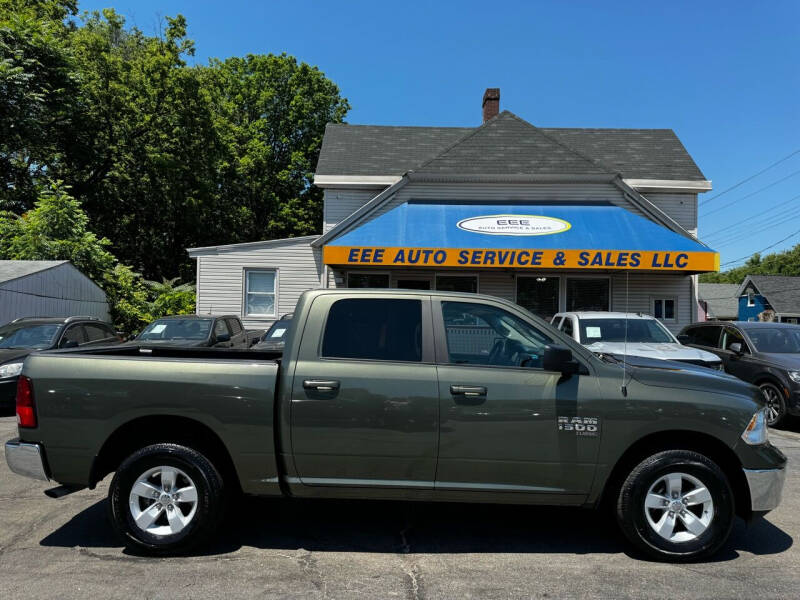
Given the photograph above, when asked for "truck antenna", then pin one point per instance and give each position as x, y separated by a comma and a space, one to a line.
624, 388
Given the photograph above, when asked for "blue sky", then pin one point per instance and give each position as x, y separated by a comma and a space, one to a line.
724, 75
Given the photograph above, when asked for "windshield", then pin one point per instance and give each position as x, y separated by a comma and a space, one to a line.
177, 329
613, 330
778, 341
277, 331
19, 335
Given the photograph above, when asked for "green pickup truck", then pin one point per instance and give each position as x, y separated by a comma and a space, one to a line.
399, 394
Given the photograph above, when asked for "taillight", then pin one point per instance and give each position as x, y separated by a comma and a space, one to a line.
26, 407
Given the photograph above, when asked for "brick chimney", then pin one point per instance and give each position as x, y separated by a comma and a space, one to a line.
491, 103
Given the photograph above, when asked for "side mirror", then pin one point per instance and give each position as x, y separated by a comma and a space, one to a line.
684, 339
736, 348
559, 358
223, 337
68, 344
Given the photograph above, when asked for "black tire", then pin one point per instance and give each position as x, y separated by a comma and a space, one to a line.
775, 400
203, 515
632, 515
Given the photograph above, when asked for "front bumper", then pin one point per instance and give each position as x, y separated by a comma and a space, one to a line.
766, 487
26, 459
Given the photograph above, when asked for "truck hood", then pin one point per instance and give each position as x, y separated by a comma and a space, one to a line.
787, 361
668, 351
688, 377
8, 355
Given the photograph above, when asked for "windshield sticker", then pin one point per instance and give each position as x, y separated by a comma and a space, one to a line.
581, 426
593, 332
158, 328
278, 332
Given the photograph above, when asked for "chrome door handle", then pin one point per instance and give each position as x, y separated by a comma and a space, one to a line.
321, 385
471, 391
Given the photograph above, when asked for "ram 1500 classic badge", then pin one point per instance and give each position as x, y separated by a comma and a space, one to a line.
581, 426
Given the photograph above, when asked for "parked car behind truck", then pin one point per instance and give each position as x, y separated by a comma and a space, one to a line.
218, 331
394, 394
22, 336
764, 354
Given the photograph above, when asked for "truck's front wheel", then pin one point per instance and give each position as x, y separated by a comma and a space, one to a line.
676, 505
165, 499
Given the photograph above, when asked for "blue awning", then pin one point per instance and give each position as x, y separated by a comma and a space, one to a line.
519, 235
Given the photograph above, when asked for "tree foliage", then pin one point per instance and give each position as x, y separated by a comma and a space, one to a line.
161, 154
56, 229
779, 263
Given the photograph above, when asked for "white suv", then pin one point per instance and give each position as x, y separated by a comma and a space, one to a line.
605, 333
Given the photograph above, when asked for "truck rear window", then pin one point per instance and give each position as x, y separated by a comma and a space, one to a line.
375, 329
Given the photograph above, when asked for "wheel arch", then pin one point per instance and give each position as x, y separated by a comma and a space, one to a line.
145, 431
696, 441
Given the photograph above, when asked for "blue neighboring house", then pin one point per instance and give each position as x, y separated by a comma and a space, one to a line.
777, 293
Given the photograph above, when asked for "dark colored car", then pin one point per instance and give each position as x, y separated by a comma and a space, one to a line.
275, 337
764, 354
28, 334
222, 331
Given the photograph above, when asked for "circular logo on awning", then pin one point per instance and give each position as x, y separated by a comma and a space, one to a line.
514, 225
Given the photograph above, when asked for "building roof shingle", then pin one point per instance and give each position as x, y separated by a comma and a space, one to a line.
515, 146
722, 299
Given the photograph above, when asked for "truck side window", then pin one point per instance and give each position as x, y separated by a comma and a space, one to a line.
566, 326
707, 335
374, 329
481, 334
220, 328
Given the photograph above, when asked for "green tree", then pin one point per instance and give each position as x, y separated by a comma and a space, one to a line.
779, 263
38, 91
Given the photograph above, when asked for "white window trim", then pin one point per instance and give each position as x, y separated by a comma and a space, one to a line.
751, 299
674, 299
564, 308
245, 288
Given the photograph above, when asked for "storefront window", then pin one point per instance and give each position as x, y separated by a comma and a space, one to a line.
457, 283
368, 280
539, 295
587, 293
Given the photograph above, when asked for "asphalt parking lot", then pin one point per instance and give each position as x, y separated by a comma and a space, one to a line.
277, 549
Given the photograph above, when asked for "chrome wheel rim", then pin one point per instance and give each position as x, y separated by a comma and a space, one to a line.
163, 501
679, 507
773, 402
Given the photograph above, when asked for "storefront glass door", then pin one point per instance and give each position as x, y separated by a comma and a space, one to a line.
539, 295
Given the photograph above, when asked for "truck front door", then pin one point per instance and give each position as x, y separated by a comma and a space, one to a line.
364, 409
507, 425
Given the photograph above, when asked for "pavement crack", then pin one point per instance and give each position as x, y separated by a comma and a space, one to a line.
411, 570
308, 563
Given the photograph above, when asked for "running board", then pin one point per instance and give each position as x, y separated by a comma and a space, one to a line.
63, 490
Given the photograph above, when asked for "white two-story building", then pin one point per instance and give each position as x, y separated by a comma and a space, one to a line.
554, 219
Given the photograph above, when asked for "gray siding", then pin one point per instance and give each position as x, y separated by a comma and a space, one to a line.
340, 204
220, 288
681, 207
61, 291
641, 288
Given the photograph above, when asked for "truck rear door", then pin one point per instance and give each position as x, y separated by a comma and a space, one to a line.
364, 408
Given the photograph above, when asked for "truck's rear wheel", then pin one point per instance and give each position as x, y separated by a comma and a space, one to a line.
165, 499
676, 505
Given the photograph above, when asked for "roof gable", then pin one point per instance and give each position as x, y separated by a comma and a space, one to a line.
781, 291
15, 269
508, 145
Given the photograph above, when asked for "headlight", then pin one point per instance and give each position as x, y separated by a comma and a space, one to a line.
10, 370
756, 431
794, 376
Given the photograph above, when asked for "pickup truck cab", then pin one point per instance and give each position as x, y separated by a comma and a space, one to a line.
399, 394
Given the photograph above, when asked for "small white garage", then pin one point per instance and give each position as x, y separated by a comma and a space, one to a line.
48, 288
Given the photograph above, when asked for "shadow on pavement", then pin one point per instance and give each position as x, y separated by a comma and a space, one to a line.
397, 527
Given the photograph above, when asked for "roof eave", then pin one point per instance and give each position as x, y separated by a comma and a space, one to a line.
429, 177
669, 185
355, 181
212, 250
